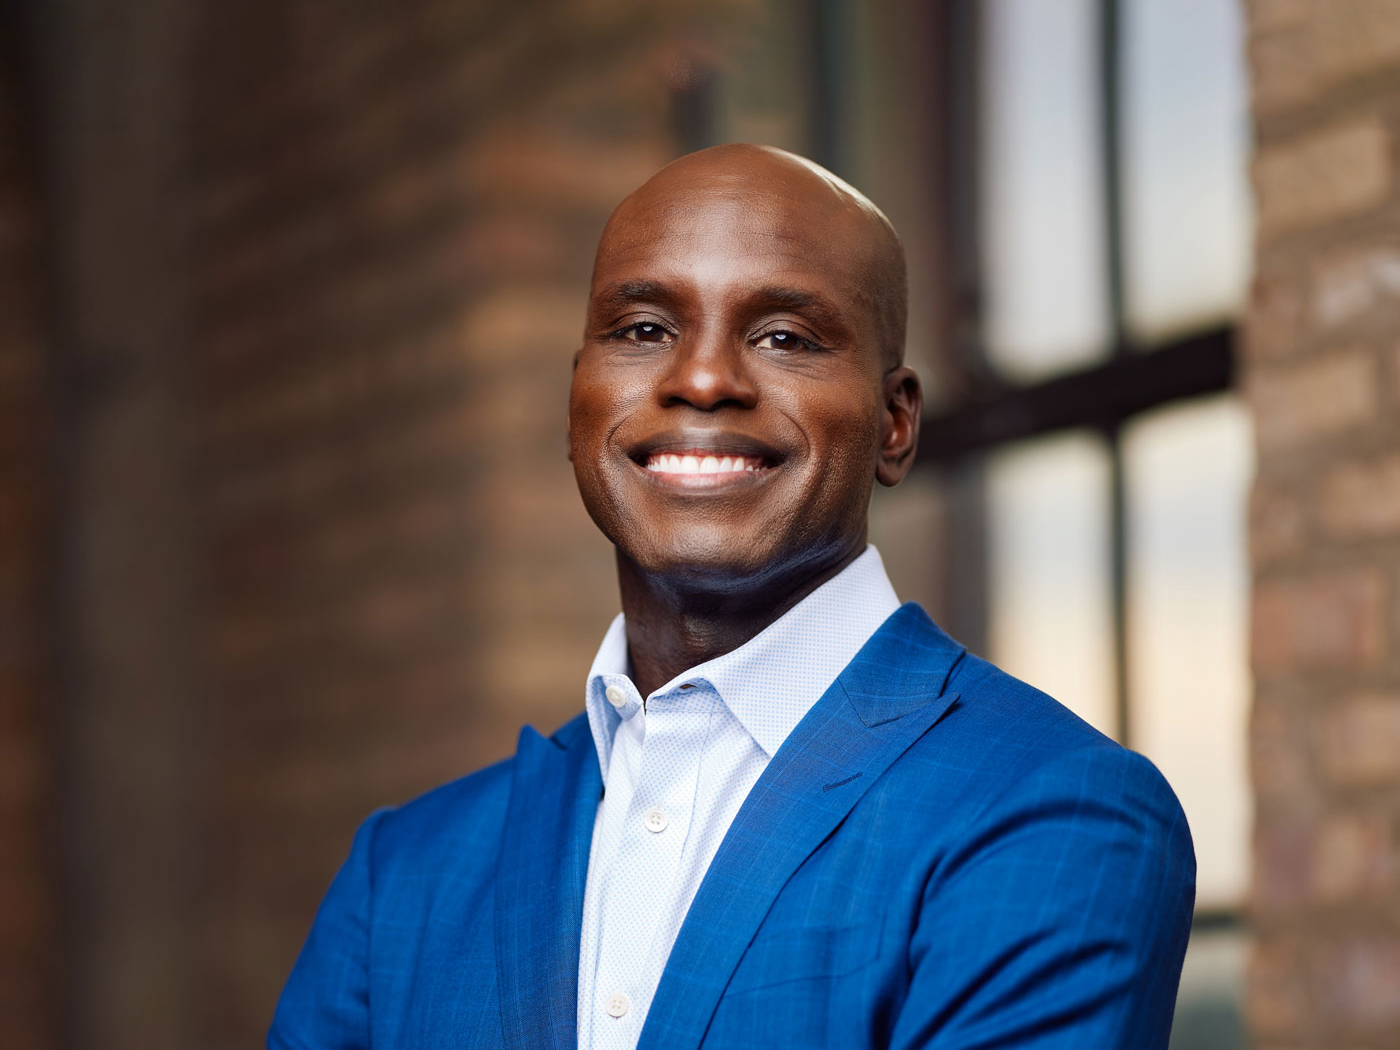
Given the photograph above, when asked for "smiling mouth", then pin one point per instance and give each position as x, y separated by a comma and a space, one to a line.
703, 459
699, 463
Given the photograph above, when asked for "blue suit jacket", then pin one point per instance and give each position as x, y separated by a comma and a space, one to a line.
938, 856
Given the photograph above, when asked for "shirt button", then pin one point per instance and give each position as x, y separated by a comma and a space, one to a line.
655, 820
615, 696
618, 1004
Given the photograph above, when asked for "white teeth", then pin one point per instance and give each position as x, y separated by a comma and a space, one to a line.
676, 463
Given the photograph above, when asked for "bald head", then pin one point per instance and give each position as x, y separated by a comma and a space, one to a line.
747, 178
738, 391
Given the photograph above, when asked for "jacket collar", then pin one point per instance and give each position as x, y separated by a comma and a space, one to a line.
889, 695
543, 861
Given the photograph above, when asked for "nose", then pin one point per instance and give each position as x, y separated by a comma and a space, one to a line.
708, 372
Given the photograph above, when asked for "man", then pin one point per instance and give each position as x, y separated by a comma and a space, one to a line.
794, 813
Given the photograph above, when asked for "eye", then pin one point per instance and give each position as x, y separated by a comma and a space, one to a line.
645, 332
784, 340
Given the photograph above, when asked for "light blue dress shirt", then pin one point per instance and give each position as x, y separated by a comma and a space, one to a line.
677, 768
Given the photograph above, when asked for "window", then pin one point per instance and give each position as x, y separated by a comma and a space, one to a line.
1100, 447
1085, 447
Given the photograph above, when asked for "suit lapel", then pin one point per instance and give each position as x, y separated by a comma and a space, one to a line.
890, 694
539, 885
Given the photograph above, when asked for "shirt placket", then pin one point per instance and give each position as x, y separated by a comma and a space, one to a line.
643, 872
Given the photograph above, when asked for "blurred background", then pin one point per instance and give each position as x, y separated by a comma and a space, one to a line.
288, 290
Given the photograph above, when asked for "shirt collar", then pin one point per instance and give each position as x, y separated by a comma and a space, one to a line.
771, 681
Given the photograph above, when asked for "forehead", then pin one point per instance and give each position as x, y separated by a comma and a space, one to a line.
729, 239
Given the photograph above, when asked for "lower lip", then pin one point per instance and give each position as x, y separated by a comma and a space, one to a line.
706, 482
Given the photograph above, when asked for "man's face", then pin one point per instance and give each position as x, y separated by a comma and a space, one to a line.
729, 402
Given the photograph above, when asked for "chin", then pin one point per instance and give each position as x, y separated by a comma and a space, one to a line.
719, 567
735, 565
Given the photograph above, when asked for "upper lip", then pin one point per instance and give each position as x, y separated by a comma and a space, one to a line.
704, 442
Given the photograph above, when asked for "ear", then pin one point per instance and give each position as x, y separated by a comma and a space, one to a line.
899, 428
569, 413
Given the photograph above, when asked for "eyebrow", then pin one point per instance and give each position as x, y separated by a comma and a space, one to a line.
630, 293
817, 307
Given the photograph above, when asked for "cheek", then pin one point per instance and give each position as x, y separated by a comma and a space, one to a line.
844, 433
599, 401
602, 396
591, 405
586, 427
845, 445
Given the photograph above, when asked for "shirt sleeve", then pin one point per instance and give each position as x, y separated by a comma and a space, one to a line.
1061, 920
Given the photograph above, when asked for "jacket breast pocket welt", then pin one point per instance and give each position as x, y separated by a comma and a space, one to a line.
779, 955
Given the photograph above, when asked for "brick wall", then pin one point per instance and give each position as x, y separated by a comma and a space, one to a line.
28, 921
1322, 373
394, 212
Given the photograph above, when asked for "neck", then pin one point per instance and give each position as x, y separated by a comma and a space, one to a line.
672, 628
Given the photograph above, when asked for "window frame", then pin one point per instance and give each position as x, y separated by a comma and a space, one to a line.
991, 411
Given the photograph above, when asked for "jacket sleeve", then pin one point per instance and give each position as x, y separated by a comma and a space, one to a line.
1061, 919
325, 1004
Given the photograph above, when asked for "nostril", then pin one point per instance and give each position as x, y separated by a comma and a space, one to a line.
707, 381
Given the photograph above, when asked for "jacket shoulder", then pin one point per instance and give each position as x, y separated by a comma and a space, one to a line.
459, 822
992, 701
1003, 735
